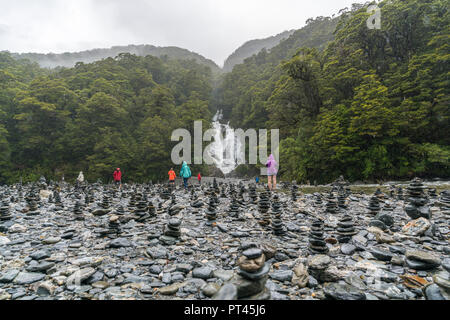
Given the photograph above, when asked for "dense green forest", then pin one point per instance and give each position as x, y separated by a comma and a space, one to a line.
69, 59
365, 103
96, 117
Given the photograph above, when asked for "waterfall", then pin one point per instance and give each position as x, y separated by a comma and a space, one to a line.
224, 149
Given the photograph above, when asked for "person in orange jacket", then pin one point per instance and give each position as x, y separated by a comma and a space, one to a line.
172, 176
199, 177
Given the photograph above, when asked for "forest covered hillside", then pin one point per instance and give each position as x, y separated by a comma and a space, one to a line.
253, 47
364, 103
69, 59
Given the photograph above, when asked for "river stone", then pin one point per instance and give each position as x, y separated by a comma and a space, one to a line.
28, 277
442, 279
416, 227
423, 256
247, 288
433, 292
252, 253
282, 275
41, 254
43, 266
79, 276
224, 275
301, 276
4, 240
8, 276
348, 249
227, 292
120, 243
204, 273
380, 254
51, 240
210, 289
338, 291
319, 262
172, 289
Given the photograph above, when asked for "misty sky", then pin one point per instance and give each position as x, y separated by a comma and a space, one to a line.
213, 28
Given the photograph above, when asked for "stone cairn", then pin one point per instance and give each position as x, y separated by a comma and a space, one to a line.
132, 202
233, 211
252, 194
400, 193
172, 229
253, 268
331, 206
78, 211
342, 198
432, 193
211, 213
151, 210
444, 202
374, 205
120, 211
112, 229
58, 202
222, 192
89, 198
277, 223
416, 207
294, 191
263, 208
318, 199
141, 211
106, 202
32, 205
383, 219
4, 210
346, 229
317, 239
166, 194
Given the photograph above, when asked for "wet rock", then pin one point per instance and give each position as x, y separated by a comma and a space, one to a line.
28, 277
337, 291
202, 273
227, 292
416, 227
120, 243
282, 275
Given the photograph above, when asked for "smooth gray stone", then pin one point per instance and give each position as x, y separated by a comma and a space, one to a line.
202, 273
283, 275
9, 275
227, 292
381, 254
343, 292
348, 249
28, 277
120, 243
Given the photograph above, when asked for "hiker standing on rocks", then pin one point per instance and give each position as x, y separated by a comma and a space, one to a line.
272, 172
117, 175
199, 178
185, 173
172, 176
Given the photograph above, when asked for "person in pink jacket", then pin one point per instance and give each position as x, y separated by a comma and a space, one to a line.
272, 172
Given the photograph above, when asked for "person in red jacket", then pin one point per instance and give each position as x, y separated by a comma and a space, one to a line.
199, 177
118, 177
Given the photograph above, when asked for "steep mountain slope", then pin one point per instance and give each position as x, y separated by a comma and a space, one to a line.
253, 47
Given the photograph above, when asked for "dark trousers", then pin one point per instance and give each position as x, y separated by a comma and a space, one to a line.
185, 181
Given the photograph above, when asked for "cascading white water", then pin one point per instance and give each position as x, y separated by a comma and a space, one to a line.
224, 149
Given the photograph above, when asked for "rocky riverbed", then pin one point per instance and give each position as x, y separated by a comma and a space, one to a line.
223, 240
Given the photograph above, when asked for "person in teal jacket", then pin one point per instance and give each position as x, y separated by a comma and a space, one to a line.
185, 173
